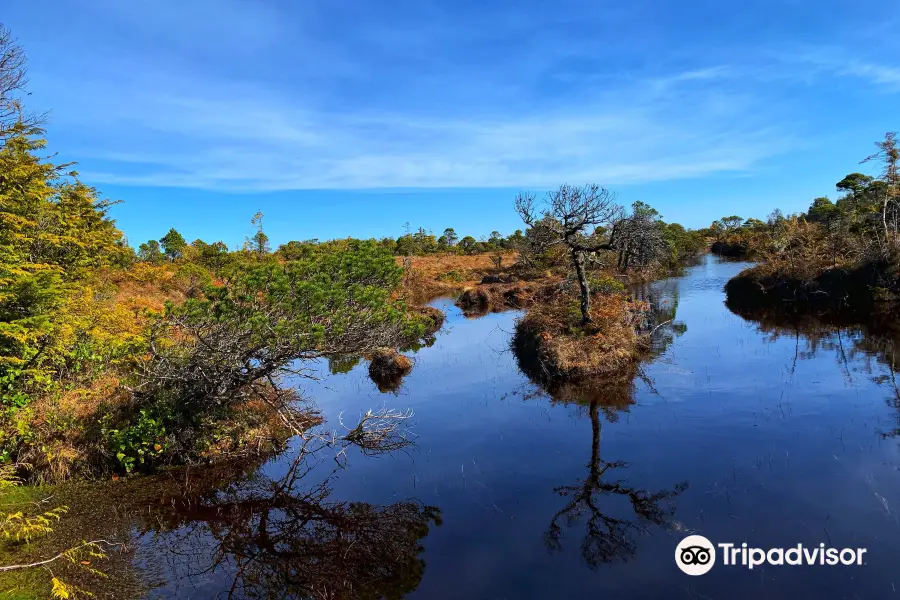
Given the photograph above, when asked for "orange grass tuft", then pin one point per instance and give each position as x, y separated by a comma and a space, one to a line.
553, 335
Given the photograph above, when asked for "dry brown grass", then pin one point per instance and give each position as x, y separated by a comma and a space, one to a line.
146, 286
389, 362
87, 402
257, 427
387, 368
471, 268
552, 336
65, 429
497, 297
429, 277
58, 430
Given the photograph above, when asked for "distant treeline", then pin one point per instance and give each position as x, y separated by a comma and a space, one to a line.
173, 246
841, 255
670, 243
862, 225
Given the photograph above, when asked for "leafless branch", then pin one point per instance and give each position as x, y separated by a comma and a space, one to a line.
382, 431
65, 554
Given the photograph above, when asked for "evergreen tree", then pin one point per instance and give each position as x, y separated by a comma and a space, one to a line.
173, 244
150, 252
259, 243
53, 229
450, 236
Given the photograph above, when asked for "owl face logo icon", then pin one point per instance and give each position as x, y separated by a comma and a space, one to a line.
695, 555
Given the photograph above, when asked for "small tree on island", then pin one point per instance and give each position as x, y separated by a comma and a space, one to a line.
571, 215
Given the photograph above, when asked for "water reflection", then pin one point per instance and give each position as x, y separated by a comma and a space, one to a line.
386, 380
856, 346
869, 348
339, 365
594, 501
257, 528
660, 324
608, 538
779, 426
388, 383
388, 375
286, 538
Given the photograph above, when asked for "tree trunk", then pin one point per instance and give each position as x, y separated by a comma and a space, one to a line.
595, 442
578, 260
887, 235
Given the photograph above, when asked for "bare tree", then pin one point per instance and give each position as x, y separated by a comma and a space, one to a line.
567, 215
13, 79
639, 238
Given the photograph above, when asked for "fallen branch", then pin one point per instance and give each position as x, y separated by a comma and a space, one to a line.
64, 554
652, 331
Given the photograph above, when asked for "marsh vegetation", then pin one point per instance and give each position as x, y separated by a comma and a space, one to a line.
312, 420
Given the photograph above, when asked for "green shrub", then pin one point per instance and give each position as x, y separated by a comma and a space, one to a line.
138, 445
193, 279
454, 276
605, 284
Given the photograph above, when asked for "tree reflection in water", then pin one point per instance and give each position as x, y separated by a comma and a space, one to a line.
869, 348
234, 531
660, 324
608, 537
284, 538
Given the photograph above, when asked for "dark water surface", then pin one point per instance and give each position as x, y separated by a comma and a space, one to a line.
740, 432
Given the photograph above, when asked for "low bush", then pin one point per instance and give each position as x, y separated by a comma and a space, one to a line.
496, 297
387, 368
451, 276
859, 290
603, 283
433, 318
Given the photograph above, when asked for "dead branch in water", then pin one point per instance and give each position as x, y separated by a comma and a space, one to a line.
381, 431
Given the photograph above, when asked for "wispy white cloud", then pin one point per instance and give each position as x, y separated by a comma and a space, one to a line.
826, 62
646, 131
877, 73
241, 96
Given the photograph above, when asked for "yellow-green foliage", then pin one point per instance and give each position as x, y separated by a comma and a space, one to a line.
23, 527
111, 359
19, 526
71, 317
53, 231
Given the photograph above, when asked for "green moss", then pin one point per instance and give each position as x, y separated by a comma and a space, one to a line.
22, 585
454, 276
92, 514
29, 584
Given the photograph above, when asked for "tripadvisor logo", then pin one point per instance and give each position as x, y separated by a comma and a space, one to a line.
696, 555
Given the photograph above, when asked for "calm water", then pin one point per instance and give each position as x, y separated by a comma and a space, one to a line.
738, 431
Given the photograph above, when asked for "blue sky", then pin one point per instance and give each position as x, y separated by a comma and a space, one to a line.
341, 118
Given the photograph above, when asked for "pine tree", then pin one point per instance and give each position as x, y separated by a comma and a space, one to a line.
173, 244
53, 229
